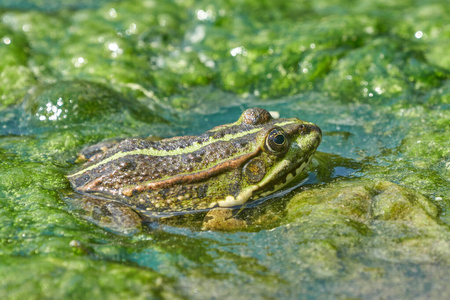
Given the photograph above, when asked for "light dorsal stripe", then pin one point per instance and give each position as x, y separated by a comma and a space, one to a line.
154, 152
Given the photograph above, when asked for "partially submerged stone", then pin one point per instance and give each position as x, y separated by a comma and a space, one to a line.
387, 220
364, 202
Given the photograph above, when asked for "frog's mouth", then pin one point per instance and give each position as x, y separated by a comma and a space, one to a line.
291, 175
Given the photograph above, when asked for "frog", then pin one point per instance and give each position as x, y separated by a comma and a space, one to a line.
136, 180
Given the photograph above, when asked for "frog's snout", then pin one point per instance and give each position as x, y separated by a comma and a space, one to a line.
316, 133
318, 130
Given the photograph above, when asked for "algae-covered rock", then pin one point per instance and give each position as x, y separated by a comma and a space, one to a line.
385, 68
75, 102
426, 153
244, 47
429, 145
421, 159
394, 202
364, 202
381, 219
76, 278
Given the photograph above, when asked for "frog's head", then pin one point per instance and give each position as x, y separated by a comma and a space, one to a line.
283, 149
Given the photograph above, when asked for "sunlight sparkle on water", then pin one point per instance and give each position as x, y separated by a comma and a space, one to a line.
52, 111
238, 51
205, 15
202, 15
112, 13
132, 29
115, 49
379, 90
79, 61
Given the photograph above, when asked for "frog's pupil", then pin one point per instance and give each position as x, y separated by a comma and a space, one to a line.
279, 139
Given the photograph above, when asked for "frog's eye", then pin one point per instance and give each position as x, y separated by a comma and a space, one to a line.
277, 141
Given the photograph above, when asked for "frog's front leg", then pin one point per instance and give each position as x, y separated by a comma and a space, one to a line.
223, 219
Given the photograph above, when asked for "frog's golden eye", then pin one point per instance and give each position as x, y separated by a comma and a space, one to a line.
277, 141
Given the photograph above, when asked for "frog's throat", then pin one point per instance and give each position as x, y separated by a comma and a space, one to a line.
248, 192
154, 152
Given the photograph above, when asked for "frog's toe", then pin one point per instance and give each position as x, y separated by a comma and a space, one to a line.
222, 219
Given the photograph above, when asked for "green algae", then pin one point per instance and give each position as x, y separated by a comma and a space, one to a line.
364, 202
379, 70
15, 76
48, 277
183, 46
75, 102
392, 223
374, 75
43, 5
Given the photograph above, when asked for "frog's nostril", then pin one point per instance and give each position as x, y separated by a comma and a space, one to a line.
302, 128
310, 128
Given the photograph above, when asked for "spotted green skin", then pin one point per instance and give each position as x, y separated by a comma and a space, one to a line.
226, 166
